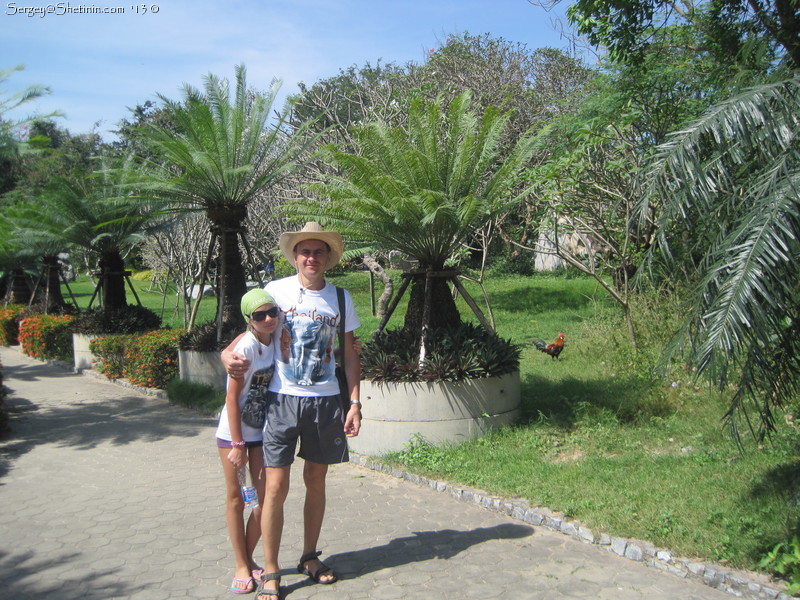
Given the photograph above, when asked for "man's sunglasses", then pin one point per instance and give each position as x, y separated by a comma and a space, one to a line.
260, 315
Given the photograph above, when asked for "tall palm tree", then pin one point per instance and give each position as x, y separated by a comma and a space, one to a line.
424, 190
225, 153
730, 184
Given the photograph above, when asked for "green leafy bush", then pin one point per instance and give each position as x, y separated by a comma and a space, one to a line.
151, 359
507, 263
9, 324
283, 268
784, 560
47, 337
131, 319
464, 352
111, 350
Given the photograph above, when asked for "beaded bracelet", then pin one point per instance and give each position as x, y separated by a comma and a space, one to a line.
239, 444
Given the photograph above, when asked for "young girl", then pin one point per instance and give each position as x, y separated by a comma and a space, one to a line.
239, 443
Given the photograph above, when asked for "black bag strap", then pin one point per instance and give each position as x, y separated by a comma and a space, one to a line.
340, 297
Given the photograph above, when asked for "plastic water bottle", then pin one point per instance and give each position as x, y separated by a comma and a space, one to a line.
248, 491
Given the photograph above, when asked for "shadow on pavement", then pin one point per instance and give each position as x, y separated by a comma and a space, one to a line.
20, 579
422, 546
83, 422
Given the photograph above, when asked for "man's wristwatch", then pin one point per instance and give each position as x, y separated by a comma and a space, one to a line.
356, 402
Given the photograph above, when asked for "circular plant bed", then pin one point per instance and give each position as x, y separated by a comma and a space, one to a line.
441, 412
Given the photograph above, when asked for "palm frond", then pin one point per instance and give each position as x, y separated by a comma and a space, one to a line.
734, 177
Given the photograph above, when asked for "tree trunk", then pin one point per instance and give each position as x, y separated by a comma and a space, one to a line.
112, 267
229, 224
443, 311
388, 286
53, 298
19, 290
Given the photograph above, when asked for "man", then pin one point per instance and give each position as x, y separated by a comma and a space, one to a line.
304, 401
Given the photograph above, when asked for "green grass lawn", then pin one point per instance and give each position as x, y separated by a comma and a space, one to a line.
602, 439
606, 442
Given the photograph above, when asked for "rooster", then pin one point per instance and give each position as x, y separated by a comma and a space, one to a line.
553, 349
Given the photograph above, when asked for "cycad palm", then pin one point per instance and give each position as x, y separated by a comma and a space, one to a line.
224, 155
36, 252
95, 212
424, 190
734, 176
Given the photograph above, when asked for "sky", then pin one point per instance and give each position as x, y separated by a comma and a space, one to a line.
100, 58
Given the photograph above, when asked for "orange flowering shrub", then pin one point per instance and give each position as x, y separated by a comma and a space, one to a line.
151, 359
9, 324
111, 350
47, 337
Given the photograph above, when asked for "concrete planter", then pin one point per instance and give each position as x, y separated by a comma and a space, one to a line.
80, 350
440, 412
202, 367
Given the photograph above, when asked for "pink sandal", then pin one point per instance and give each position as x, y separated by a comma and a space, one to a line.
248, 586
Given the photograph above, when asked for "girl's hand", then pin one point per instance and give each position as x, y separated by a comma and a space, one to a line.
238, 456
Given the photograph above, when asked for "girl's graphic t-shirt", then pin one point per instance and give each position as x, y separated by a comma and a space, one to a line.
256, 381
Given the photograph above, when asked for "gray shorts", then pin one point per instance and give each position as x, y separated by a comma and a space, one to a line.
316, 421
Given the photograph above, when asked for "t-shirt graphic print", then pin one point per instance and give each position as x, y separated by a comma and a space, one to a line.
307, 347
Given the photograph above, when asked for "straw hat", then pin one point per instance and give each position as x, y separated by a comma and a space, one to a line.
312, 231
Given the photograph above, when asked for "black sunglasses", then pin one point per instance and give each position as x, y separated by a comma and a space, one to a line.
260, 315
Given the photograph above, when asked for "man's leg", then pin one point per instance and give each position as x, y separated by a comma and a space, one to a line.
314, 476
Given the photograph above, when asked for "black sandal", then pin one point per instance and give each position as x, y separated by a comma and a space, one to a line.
323, 569
269, 594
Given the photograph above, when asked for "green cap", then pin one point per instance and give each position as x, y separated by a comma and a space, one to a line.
253, 299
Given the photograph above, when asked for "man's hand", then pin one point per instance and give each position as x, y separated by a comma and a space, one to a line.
352, 422
235, 364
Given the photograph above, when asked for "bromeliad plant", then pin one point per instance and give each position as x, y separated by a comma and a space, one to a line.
465, 352
129, 319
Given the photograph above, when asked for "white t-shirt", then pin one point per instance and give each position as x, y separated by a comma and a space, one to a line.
307, 336
262, 367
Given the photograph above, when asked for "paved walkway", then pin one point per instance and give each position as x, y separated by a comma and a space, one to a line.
108, 493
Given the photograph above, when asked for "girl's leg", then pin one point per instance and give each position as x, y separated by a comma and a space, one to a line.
276, 490
234, 509
253, 527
